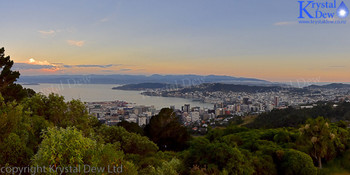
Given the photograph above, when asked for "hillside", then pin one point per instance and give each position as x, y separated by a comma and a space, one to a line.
142, 86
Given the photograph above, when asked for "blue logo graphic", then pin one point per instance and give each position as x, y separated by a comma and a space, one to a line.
325, 12
319, 10
342, 10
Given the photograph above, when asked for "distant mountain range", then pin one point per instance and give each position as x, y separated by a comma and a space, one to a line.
142, 86
330, 86
211, 87
206, 87
183, 80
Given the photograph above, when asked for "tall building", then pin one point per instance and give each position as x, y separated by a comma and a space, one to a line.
219, 111
218, 105
186, 108
276, 102
238, 108
194, 116
245, 101
141, 121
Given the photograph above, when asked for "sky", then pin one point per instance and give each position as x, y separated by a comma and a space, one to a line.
241, 38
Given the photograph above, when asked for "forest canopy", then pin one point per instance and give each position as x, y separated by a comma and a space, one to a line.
40, 130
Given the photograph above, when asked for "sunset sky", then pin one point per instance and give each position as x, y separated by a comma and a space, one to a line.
242, 38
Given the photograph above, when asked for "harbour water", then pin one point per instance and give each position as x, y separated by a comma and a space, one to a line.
104, 92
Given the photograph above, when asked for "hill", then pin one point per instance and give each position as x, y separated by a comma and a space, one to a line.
142, 86
330, 86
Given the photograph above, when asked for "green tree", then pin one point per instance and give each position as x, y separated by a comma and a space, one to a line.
297, 163
9, 90
217, 156
60, 113
130, 142
319, 138
167, 168
64, 147
14, 151
166, 130
10, 117
69, 148
131, 127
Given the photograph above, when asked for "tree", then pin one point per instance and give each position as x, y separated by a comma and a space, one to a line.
10, 118
131, 127
69, 148
217, 156
131, 143
296, 162
319, 138
14, 151
166, 130
64, 147
7, 76
9, 90
167, 168
60, 113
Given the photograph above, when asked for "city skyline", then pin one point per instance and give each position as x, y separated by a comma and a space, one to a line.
242, 39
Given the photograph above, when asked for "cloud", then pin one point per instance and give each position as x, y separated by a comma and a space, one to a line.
20, 66
35, 67
47, 33
33, 61
100, 66
76, 43
285, 23
125, 70
41, 66
337, 66
104, 20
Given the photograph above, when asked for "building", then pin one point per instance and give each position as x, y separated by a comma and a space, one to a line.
186, 108
142, 121
246, 101
194, 116
276, 102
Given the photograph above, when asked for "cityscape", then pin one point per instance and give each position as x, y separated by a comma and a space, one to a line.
185, 87
226, 105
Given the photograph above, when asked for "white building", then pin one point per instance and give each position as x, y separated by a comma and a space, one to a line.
141, 121
194, 116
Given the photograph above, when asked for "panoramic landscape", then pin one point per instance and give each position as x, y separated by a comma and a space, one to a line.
175, 87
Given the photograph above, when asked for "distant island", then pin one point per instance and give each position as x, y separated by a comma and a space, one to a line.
213, 87
144, 86
330, 86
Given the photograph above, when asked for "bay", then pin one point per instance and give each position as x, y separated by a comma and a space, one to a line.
104, 92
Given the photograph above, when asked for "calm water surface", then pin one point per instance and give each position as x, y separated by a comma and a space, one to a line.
104, 92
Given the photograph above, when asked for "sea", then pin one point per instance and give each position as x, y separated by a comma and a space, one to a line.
104, 92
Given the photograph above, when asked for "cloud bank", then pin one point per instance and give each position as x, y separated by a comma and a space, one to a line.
76, 43
34, 67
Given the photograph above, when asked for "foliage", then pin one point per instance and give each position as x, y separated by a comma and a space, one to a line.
296, 162
60, 113
130, 142
217, 156
64, 147
319, 138
293, 117
131, 127
47, 130
166, 130
167, 168
14, 151
9, 90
